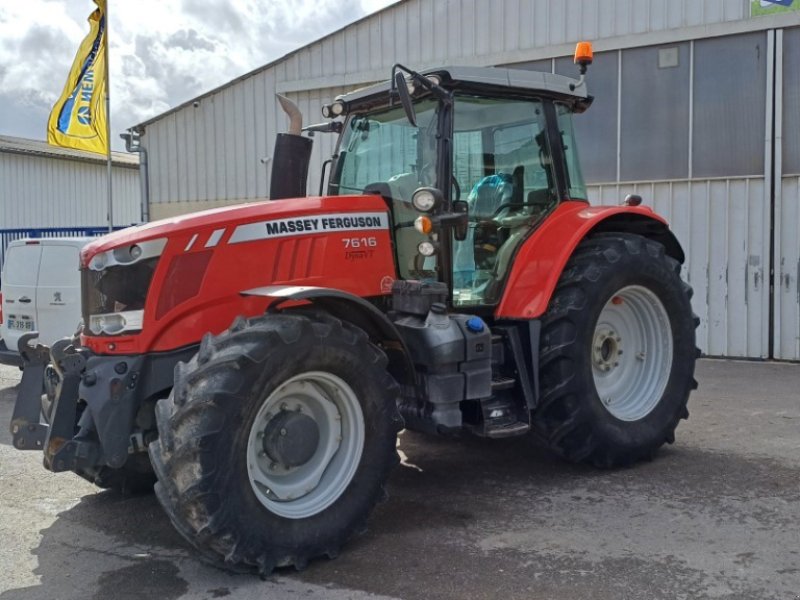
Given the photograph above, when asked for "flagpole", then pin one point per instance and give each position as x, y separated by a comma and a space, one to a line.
108, 117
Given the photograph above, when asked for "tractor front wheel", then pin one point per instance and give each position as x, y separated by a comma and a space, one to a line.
617, 353
276, 441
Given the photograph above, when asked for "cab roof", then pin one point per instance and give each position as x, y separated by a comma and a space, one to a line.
491, 80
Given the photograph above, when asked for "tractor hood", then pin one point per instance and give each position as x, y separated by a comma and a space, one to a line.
221, 222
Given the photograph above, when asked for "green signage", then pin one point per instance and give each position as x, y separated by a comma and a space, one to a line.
771, 7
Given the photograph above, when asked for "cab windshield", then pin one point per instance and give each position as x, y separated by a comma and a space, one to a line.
384, 148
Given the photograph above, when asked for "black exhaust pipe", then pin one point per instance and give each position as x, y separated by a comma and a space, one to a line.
291, 157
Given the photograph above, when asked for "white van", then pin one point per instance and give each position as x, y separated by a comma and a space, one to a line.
40, 290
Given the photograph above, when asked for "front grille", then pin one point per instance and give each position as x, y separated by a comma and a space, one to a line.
115, 289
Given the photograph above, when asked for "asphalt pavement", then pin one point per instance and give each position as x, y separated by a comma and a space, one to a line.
716, 515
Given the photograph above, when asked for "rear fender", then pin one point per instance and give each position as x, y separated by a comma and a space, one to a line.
352, 309
538, 264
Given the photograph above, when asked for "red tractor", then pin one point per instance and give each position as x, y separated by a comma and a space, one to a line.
258, 361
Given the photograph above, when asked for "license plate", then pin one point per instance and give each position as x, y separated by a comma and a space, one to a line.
20, 324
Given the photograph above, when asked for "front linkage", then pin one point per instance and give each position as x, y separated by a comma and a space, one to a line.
62, 450
92, 419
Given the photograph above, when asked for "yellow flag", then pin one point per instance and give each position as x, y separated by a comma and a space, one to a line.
78, 119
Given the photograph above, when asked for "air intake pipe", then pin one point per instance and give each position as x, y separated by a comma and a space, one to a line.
291, 157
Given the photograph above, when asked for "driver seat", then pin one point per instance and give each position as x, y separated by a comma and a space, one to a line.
489, 194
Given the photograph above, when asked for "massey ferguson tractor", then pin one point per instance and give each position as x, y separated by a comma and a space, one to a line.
257, 361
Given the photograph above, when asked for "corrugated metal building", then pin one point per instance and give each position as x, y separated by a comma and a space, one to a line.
44, 187
697, 110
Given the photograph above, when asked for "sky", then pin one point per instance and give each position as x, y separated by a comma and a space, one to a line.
163, 52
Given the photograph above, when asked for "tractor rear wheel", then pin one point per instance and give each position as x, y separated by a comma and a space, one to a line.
276, 441
617, 353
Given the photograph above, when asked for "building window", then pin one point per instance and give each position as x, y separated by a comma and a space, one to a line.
791, 102
654, 140
730, 80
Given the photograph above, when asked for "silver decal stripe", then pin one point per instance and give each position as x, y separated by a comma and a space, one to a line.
309, 225
191, 243
215, 237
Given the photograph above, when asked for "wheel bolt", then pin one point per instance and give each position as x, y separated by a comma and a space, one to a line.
284, 406
273, 466
283, 431
262, 454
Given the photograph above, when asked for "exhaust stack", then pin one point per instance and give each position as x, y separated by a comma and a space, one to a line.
291, 156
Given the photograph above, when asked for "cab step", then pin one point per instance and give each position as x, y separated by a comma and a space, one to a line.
503, 383
506, 430
500, 416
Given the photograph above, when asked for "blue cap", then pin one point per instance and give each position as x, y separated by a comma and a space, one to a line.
475, 324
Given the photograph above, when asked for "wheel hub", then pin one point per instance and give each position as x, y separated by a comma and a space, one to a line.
291, 438
305, 444
606, 349
630, 384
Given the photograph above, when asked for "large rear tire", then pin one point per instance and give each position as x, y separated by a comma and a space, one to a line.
276, 441
617, 353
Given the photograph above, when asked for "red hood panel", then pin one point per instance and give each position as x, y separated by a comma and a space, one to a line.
211, 257
229, 216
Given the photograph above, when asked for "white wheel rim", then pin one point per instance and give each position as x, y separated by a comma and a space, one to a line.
297, 492
632, 353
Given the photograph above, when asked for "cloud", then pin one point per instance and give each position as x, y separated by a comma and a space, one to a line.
162, 53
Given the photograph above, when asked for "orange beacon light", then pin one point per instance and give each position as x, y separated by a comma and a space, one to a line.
583, 55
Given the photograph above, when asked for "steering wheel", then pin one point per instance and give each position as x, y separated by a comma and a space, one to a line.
506, 205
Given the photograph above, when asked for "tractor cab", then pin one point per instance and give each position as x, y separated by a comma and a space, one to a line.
469, 161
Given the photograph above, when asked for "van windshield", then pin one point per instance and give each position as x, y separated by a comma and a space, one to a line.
21, 266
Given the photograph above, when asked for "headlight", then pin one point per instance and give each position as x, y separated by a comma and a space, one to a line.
116, 323
128, 254
434, 79
426, 248
426, 199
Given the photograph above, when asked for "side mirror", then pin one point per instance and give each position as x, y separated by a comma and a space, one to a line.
405, 97
461, 208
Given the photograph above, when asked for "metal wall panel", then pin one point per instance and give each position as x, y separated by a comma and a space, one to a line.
720, 223
37, 191
424, 32
787, 272
214, 151
787, 201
